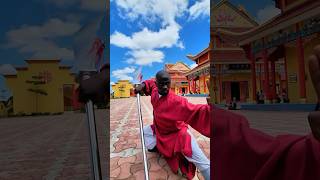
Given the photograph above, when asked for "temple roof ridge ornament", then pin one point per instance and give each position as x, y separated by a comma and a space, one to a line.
225, 15
194, 57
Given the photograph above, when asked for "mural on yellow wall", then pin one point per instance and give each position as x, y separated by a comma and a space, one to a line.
122, 89
40, 82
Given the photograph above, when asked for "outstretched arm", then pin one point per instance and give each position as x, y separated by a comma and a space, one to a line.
147, 87
314, 69
198, 116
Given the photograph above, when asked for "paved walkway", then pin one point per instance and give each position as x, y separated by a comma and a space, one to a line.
126, 160
278, 122
49, 147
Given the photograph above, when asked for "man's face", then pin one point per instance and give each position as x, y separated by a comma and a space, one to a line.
163, 84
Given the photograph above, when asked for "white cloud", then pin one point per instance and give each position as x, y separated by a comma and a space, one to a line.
143, 44
193, 65
151, 10
146, 39
62, 3
267, 13
123, 74
7, 69
39, 40
145, 57
92, 5
112, 83
200, 8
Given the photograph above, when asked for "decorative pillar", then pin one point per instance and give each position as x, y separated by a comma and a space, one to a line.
215, 88
280, 83
194, 86
220, 83
260, 76
266, 89
285, 70
228, 91
253, 73
301, 67
189, 82
204, 84
273, 80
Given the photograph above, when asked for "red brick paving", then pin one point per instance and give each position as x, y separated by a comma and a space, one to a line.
126, 156
49, 147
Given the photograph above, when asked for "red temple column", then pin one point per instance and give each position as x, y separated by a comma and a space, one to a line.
273, 80
285, 71
189, 82
253, 74
215, 88
266, 88
220, 83
228, 92
194, 86
260, 76
301, 67
280, 83
204, 84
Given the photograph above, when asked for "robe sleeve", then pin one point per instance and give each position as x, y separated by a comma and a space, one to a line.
150, 86
198, 116
242, 153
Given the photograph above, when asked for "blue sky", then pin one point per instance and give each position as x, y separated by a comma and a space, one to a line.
261, 10
153, 33
148, 34
43, 29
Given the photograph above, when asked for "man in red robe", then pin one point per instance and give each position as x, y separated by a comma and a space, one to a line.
169, 132
242, 153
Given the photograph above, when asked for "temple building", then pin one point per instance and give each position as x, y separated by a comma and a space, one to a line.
122, 89
38, 83
286, 40
230, 67
199, 76
179, 82
3, 109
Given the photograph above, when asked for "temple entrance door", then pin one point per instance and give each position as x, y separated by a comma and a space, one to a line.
67, 97
235, 90
183, 90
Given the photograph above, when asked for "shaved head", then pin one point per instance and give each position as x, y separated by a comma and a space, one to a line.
162, 74
163, 82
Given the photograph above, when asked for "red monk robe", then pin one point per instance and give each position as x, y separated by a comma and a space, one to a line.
242, 153
172, 114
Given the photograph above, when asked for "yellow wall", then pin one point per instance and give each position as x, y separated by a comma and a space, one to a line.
203, 88
122, 89
25, 101
292, 61
292, 66
310, 92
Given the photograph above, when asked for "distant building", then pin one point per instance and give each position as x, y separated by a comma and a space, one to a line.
43, 86
179, 82
230, 67
3, 109
6, 108
198, 76
122, 89
287, 40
